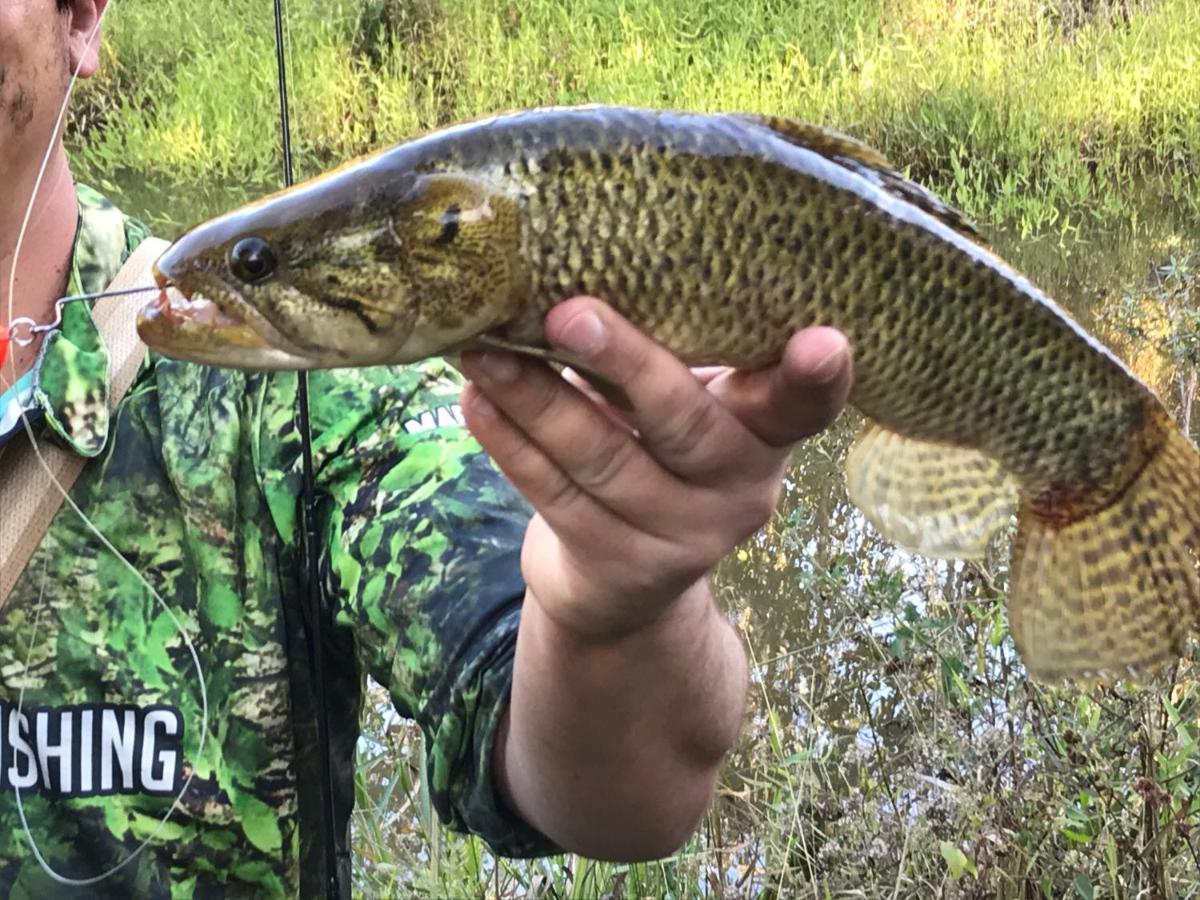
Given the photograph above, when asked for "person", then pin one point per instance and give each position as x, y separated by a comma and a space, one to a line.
576, 684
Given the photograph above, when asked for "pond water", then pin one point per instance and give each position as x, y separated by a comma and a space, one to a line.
890, 716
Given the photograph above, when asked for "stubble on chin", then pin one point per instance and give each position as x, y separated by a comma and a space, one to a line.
19, 98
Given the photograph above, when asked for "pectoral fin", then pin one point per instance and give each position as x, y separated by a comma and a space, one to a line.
941, 501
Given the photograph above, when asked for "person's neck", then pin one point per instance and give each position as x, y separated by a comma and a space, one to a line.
42, 262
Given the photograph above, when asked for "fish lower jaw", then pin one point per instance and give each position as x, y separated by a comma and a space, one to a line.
211, 350
198, 330
214, 340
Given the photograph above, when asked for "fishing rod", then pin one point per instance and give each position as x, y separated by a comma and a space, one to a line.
311, 605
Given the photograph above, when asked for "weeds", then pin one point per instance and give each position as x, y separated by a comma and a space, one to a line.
1162, 315
894, 746
1037, 115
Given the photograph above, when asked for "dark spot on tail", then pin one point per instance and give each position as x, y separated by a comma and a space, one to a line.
1058, 505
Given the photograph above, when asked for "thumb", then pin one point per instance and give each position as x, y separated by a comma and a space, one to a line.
798, 396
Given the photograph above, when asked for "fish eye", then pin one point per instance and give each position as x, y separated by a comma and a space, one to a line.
252, 260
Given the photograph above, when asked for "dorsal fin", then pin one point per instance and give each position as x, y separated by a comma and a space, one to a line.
867, 162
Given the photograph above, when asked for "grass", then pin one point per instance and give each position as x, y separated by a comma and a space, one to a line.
1030, 114
894, 746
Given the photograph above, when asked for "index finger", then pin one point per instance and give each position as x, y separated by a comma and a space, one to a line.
683, 426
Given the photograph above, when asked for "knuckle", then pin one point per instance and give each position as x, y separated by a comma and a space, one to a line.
523, 464
634, 366
759, 509
691, 556
627, 366
542, 400
605, 462
714, 548
561, 491
685, 431
752, 510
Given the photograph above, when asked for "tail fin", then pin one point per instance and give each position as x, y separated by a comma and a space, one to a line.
1115, 593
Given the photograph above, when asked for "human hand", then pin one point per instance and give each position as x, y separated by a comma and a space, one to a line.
629, 520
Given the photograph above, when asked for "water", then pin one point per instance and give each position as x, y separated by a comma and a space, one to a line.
890, 718
889, 711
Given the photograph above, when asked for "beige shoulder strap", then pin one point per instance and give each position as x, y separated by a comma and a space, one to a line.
29, 496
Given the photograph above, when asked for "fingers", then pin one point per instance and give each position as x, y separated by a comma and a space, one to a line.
689, 442
585, 387
680, 423
560, 447
795, 399
539, 479
635, 508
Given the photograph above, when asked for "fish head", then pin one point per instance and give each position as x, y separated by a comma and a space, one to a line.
341, 272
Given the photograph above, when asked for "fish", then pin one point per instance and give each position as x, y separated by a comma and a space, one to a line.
719, 236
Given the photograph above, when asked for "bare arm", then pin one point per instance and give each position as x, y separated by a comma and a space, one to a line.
629, 685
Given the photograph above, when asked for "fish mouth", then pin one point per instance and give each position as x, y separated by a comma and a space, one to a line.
217, 330
179, 305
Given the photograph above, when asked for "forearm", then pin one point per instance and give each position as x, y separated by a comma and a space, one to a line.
625, 695
612, 748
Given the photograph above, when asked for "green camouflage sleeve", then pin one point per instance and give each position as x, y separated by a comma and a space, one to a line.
424, 539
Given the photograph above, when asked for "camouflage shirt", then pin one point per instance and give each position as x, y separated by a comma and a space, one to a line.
195, 481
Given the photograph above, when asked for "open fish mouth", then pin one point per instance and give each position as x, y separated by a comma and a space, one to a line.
175, 304
189, 325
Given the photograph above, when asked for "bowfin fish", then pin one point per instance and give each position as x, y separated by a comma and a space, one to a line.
720, 236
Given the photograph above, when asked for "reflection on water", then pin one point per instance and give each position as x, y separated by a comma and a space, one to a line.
892, 733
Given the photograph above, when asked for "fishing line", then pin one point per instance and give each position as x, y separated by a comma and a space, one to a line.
30, 329
104, 542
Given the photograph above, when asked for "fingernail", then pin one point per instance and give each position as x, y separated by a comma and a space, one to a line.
483, 407
829, 368
584, 334
499, 367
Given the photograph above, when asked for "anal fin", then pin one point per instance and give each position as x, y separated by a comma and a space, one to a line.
938, 500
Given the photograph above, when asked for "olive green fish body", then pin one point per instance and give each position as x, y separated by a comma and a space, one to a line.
720, 236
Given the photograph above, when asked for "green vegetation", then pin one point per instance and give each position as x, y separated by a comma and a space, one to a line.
894, 746
1163, 315
1035, 114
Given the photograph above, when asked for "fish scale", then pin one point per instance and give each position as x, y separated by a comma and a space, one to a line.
720, 236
